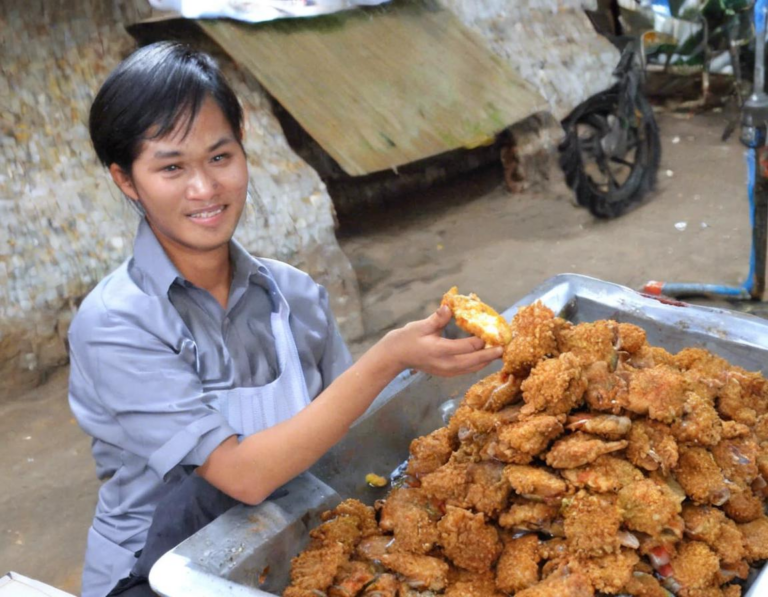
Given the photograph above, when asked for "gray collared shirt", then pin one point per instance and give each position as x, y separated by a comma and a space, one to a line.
150, 352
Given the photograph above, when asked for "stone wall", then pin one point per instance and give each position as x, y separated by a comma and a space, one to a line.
553, 46
550, 43
63, 226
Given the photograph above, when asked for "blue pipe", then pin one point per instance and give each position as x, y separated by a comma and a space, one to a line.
744, 291
761, 6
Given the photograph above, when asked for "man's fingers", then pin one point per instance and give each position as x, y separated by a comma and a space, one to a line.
462, 346
478, 358
439, 319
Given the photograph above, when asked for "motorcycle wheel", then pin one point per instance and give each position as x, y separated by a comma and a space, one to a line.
608, 177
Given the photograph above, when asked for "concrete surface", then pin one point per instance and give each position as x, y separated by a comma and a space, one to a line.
474, 235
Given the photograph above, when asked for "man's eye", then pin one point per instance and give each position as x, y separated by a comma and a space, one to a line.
221, 157
171, 168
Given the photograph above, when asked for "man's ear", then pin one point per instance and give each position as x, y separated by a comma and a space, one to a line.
123, 181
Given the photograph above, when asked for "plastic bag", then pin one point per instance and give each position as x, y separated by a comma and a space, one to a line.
256, 11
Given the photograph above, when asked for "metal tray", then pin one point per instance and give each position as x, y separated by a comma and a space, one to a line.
247, 551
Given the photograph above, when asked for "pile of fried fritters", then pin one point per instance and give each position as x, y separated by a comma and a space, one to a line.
593, 463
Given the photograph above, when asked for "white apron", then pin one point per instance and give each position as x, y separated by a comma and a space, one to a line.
248, 410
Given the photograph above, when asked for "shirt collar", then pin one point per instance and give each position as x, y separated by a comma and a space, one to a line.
150, 257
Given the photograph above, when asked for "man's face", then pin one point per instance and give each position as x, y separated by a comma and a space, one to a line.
192, 187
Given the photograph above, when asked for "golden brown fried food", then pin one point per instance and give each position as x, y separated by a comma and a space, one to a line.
417, 571
385, 585
699, 424
554, 387
494, 450
642, 584
493, 392
740, 397
534, 482
552, 549
710, 525
762, 462
462, 583
732, 430
695, 566
605, 474
631, 339
592, 524
647, 507
743, 505
365, 515
315, 569
651, 356
468, 541
518, 566
578, 449
525, 515
658, 392
701, 478
708, 592
342, 530
528, 437
737, 458
412, 517
606, 426
651, 446
488, 488
703, 360
372, 548
474, 428
430, 452
448, 483
591, 342
610, 572
704, 371
606, 390
476, 318
351, 578
760, 429
564, 581
296, 592
755, 535
620, 460
533, 338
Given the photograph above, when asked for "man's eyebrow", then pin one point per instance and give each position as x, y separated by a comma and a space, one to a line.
220, 142
162, 155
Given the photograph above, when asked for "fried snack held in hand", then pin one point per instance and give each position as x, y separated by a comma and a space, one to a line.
476, 318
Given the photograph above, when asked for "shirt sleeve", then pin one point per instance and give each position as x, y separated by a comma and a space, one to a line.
336, 357
138, 389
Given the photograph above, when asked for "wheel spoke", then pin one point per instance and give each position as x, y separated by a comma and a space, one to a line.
606, 170
622, 161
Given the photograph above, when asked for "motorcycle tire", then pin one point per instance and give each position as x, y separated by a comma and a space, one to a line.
629, 175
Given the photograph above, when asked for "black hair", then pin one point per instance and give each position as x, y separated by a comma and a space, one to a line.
152, 92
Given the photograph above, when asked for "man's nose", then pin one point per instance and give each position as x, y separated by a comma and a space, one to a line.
202, 185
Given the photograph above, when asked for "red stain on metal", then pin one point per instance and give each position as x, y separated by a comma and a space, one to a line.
653, 288
762, 156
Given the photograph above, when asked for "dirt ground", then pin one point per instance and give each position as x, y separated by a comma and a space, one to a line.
472, 234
